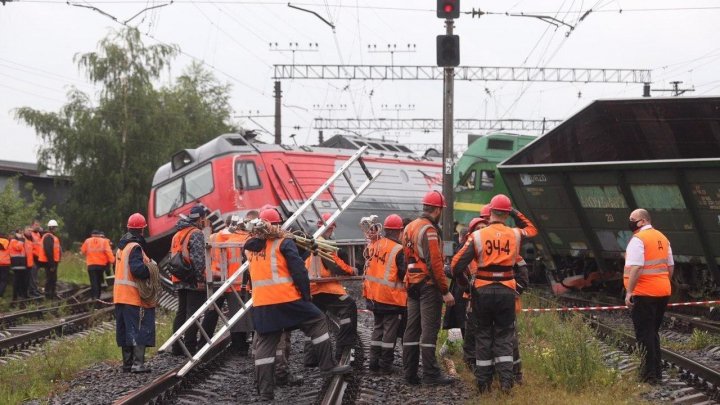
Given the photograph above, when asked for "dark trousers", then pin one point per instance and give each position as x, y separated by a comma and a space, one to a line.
33, 285
343, 307
647, 315
4, 274
494, 312
134, 326
384, 337
188, 302
50, 279
96, 274
421, 331
266, 351
469, 341
20, 282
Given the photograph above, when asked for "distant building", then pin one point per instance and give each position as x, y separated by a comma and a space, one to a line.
56, 189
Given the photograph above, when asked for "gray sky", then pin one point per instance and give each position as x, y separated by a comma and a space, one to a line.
38, 40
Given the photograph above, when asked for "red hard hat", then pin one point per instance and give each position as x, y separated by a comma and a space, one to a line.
136, 221
474, 223
271, 215
393, 221
324, 219
434, 199
501, 202
485, 211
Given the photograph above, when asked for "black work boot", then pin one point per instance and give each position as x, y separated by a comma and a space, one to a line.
127, 356
437, 380
239, 343
139, 361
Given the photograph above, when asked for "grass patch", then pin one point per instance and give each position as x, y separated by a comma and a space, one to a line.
561, 365
57, 362
699, 339
72, 269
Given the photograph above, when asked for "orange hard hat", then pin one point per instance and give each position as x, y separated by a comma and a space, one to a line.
393, 221
136, 221
434, 199
271, 215
485, 211
501, 202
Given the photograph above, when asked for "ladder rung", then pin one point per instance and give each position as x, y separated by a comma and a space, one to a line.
349, 182
220, 314
184, 348
335, 199
202, 330
365, 169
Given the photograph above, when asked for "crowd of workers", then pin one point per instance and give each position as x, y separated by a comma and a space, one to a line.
405, 286
25, 252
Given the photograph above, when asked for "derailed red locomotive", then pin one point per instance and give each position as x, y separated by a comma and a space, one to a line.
233, 174
581, 180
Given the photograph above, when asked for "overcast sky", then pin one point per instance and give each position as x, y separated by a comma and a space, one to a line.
678, 40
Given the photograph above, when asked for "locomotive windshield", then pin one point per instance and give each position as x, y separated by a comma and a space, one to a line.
183, 190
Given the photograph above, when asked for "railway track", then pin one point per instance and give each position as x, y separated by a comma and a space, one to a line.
65, 292
690, 377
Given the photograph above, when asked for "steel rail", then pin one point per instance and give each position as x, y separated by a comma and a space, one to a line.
168, 382
8, 345
14, 318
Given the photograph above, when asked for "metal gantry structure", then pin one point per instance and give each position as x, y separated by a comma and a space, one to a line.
434, 124
470, 73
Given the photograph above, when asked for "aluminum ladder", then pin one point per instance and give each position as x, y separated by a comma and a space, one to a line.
211, 303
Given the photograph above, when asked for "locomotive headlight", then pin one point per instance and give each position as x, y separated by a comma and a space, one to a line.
181, 159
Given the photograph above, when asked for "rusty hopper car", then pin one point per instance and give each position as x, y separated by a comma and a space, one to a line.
580, 181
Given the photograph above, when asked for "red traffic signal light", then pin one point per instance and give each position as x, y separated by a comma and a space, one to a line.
448, 8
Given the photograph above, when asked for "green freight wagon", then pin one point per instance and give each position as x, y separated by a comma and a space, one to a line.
581, 180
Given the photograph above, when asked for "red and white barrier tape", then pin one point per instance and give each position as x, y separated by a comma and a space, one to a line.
615, 307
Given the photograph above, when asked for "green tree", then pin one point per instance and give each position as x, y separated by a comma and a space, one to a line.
112, 147
16, 212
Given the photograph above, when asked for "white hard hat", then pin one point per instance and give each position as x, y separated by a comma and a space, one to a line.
52, 222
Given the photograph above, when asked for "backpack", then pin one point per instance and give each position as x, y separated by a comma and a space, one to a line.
178, 267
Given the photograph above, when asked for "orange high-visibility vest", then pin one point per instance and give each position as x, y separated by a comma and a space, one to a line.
497, 248
4, 252
316, 269
233, 255
272, 283
180, 243
97, 251
654, 280
37, 243
417, 269
29, 252
16, 249
125, 290
381, 278
56, 249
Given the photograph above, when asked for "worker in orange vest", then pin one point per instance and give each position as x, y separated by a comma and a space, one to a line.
189, 241
98, 255
36, 239
281, 302
427, 289
223, 268
4, 263
19, 265
331, 297
648, 270
134, 318
385, 292
49, 258
496, 249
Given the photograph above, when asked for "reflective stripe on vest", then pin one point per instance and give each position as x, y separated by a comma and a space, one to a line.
276, 279
654, 277
483, 263
381, 279
272, 283
125, 289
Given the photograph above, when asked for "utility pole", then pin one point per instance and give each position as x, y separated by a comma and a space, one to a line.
278, 112
448, 155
